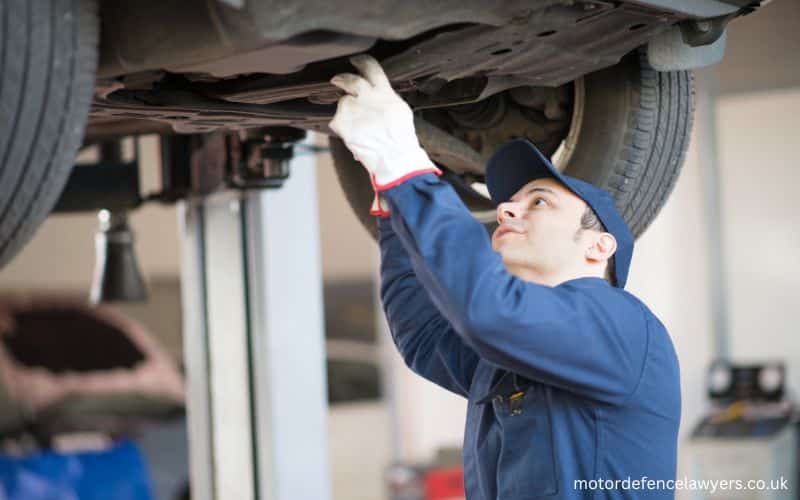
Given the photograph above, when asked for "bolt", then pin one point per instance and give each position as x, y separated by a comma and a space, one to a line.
703, 26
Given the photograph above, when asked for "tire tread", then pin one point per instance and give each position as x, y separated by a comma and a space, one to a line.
53, 94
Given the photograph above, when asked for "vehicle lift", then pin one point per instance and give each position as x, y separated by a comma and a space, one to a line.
251, 286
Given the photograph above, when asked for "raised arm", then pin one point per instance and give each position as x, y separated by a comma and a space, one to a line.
578, 336
575, 336
424, 338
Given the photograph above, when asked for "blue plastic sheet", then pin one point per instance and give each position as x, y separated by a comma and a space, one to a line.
118, 473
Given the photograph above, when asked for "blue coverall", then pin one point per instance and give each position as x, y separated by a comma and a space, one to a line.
597, 370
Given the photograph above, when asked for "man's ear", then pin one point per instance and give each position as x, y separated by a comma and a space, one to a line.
603, 249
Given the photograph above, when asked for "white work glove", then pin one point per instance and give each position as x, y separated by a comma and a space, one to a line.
377, 126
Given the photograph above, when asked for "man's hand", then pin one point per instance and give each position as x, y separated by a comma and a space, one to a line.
377, 126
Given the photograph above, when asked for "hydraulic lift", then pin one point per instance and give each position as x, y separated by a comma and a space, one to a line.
251, 282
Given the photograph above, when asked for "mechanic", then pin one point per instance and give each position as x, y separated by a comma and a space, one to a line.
569, 377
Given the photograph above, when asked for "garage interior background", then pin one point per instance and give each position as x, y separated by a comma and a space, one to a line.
748, 115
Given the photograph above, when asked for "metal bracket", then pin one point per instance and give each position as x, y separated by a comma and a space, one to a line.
108, 184
699, 32
260, 158
669, 52
190, 165
249, 159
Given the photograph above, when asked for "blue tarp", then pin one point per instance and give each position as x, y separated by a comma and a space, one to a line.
118, 473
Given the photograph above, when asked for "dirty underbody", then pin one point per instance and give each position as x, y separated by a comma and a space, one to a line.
231, 67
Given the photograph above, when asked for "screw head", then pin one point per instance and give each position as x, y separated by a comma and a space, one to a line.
703, 26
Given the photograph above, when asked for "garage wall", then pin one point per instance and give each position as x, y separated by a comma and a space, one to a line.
759, 151
761, 52
348, 252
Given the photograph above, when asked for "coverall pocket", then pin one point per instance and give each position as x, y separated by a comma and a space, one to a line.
526, 464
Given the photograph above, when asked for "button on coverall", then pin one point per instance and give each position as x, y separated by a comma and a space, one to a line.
597, 370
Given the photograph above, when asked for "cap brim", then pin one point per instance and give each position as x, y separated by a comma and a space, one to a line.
515, 164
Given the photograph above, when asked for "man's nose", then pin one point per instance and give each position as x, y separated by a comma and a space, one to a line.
507, 210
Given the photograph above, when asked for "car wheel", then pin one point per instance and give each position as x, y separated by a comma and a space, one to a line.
624, 128
48, 56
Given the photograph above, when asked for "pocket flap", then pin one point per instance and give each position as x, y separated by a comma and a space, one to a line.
508, 384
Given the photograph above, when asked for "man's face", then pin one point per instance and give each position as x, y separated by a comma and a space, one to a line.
537, 229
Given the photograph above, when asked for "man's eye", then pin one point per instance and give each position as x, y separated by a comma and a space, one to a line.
537, 200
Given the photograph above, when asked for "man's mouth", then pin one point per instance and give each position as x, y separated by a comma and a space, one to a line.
502, 230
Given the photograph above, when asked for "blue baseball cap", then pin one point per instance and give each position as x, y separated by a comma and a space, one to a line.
519, 162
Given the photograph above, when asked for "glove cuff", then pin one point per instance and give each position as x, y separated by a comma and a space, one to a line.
380, 206
394, 182
398, 166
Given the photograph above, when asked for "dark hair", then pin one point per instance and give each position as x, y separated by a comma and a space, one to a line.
590, 222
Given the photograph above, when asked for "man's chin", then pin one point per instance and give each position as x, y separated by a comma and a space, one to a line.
515, 254
508, 254
500, 246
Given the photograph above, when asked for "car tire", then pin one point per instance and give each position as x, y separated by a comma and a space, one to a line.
48, 57
630, 137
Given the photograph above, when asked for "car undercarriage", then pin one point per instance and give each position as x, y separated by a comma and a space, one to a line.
604, 88
263, 64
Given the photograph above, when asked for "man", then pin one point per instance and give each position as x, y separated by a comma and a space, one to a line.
569, 377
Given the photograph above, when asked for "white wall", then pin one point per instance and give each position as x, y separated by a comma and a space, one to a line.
359, 450
761, 51
759, 151
348, 252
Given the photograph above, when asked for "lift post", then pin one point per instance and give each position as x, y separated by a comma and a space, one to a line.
251, 283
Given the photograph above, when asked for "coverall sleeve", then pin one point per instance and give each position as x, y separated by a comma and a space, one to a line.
591, 342
424, 338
